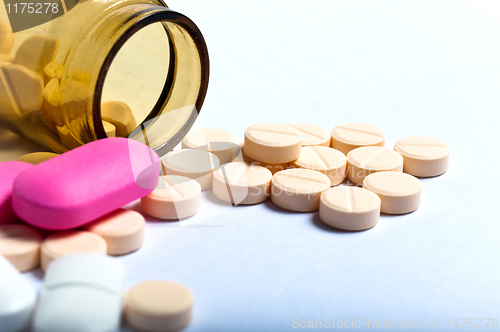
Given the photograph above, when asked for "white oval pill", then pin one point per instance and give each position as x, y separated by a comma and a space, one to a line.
65, 243
313, 135
350, 136
326, 160
370, 159
298, 189
175, 197
123, 231
239, 183
192, 163
272, 142
20, 244
423, 156
220, 142
399, 192
158, 306
349, 208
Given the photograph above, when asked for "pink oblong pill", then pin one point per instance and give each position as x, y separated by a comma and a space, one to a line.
9, 171
84, 184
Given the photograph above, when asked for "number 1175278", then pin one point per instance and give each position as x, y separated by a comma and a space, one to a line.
473, 323
32, 8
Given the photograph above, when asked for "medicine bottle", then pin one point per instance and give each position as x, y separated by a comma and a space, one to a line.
61, 59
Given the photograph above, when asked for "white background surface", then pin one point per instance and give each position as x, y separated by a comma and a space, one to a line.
411, 67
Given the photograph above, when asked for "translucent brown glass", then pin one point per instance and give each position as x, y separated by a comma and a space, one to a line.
77, 51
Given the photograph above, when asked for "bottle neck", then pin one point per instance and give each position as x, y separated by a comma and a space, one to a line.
90, 58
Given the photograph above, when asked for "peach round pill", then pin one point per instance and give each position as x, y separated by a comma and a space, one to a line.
84, 184
65, 243
192, 163
323, 159
350, 136
20, 244
298, 189
36, 158
219, 142
272, 142
120, 115
313, 135
399, 192
370, 159
175, 197
273, 167
123, 231
423, 156
349, 208
238, 183
158, 306
9, 171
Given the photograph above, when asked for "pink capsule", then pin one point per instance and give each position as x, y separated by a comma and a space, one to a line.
86, 183
9, 170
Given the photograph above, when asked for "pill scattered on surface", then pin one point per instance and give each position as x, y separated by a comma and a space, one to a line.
238, 183
109, 129
9, 171
271, 142
370, 159
120, 115
36, 158
195, 164
220, 142
17, 300
349, 208
159, 306
313, 135
6, 37
399, 192
36, 52
298, 189
86, 183
326, 160
423, 156
20, 245
21, 90
274, 168
65, 243
81, 292
123, 231
175, 197
350, 136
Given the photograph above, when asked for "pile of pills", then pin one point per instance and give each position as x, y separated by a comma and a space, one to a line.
30, 83
348, 176
296, 165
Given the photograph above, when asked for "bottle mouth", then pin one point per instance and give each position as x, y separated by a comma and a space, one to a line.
166, 93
